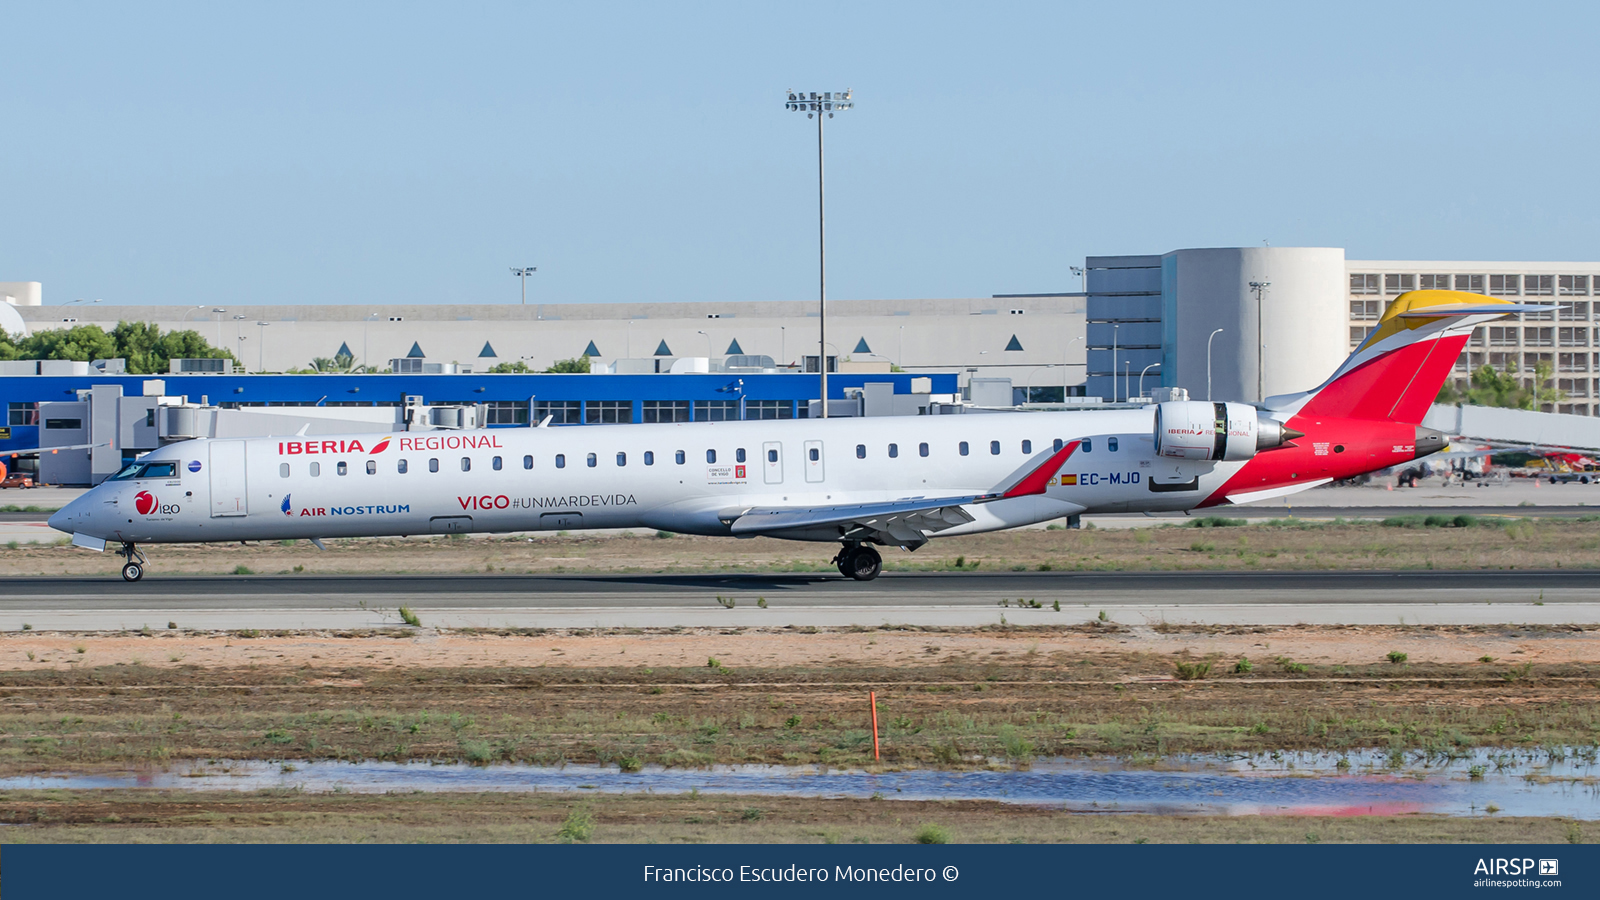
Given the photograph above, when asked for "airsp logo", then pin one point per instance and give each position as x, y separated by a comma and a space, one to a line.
1516, 867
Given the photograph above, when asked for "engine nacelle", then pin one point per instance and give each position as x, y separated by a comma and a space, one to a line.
1191, 429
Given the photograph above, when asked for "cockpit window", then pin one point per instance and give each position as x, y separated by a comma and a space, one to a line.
147, 470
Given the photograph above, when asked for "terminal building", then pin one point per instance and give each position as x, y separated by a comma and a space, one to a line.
1221, 323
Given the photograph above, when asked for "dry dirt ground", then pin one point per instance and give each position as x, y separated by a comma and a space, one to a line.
1493, 543
287, 817
685, 697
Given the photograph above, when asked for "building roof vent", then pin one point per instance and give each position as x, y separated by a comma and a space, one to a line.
592, 350
734, 349
662, 349
1014, 344
416, 352
861, 346
487, 351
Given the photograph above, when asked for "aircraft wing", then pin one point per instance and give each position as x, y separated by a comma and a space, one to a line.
905, 522
35, 451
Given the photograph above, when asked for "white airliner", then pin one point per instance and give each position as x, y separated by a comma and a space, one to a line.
893, 482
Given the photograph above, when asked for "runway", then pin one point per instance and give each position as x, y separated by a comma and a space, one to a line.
799, 600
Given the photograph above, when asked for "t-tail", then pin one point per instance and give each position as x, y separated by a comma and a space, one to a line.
1398, 370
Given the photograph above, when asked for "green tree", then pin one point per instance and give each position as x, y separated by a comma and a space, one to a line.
81, 342
144, 346
579, 366
509, 368
1506, 389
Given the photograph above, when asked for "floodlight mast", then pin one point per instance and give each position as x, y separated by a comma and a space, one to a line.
523, 273
815, 104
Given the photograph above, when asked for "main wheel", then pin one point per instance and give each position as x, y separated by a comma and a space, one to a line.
132, 572
845, 561
865, 564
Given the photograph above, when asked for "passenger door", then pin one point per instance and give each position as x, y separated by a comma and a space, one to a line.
814, 461
227, 479
772, 462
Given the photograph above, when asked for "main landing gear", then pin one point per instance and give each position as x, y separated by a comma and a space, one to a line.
859, 562
133, 569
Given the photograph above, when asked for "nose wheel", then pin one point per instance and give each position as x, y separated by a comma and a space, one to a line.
859, 562
133, 568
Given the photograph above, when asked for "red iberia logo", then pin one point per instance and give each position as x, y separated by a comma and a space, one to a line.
380, 446
146, 503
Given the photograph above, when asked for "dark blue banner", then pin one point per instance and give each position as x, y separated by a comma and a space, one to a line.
246, 872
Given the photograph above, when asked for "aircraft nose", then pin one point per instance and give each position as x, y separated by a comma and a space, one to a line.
66, 518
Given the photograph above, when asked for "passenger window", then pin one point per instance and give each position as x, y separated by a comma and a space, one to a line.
433, 464
964, 448
1027, 446
372, 467
402, 466
772, 456
283, 470
894, 451
649, 457
496, 464
466, 464
561, 460
679, 458
861, 451
922, 449
711, 456
527, 462
1111, 444
316, 469
344, 468
738, 455
622, 459
1088, 445
815, 454
994, 448
1059, 445
593, 460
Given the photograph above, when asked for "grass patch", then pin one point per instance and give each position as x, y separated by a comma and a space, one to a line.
931, 834
1217, 522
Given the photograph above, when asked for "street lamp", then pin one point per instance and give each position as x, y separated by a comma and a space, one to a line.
814, 105
238, 332
1141, 376
261, 347
188, 311
218, 311
1208, 363
708, 343
523, 273
1077, 271
1114, 328
79, 300
1260, 287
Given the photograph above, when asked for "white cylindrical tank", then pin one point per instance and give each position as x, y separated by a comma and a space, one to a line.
1291, 341
22, 293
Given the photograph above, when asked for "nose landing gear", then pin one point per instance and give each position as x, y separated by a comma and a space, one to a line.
859, 562
133, 569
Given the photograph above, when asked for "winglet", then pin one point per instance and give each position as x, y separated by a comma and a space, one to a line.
1036, 481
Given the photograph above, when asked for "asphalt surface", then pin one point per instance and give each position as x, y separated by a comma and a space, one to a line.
945, 599
813, 589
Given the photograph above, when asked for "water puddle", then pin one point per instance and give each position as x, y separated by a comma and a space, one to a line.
1543, 782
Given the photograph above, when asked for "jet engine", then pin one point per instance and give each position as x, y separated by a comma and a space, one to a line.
1191, 429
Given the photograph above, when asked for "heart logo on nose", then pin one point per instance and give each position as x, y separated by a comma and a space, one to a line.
145, 502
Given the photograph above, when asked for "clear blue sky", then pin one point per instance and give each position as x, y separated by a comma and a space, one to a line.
412, 153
